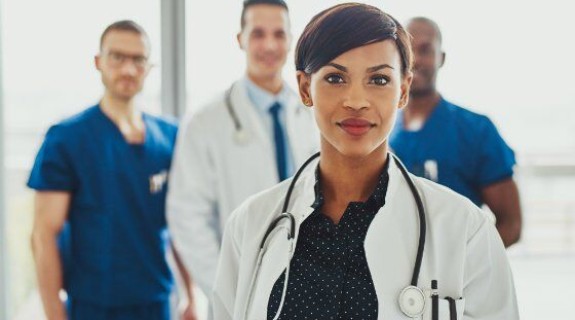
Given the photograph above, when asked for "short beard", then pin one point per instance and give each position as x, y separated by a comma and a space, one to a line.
424, 92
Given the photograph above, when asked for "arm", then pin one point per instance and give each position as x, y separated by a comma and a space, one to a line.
191, 205
51, 210
503, 200
189, 312
488, 290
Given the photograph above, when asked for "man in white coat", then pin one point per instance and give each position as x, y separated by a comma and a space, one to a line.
253, 136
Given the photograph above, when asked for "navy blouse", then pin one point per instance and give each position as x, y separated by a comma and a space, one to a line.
329, 277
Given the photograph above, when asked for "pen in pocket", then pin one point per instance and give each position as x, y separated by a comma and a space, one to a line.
434, 301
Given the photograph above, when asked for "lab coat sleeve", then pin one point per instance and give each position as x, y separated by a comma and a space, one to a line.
489, 290
191, 204
226, 283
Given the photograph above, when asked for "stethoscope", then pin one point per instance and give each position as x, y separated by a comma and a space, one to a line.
411, 299
241, 135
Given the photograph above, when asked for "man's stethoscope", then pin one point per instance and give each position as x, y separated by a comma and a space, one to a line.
411, 298
241, 135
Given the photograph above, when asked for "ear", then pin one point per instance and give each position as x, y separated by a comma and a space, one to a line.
97, 62
442, 61
239, 39
304, 86
405, 85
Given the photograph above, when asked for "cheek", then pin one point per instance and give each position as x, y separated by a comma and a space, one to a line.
388, 104
283, 44
108, 75
325, 103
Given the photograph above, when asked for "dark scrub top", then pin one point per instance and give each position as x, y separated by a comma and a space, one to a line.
329, 277
115, 241
462, 148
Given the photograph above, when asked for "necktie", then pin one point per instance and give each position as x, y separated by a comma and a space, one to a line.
280, 140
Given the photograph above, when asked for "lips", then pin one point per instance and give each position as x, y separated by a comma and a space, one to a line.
355, 126
273, 62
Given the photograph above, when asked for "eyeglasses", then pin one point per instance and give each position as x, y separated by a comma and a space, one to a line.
117, 59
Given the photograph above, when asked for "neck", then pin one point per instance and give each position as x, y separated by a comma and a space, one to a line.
119, 110
345, 179
272, 84
420, 107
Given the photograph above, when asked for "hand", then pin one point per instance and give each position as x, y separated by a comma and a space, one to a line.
189, 312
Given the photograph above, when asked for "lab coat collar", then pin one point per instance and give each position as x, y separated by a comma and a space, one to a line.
263, 99
247, 113
303, 196
376, 199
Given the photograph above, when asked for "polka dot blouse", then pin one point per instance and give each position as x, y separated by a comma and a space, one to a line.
329, 277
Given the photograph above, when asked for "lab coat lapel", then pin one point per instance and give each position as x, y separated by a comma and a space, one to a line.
303, 195
277, 254
391, 263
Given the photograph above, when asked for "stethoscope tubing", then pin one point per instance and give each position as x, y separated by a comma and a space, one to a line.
422, 222
292, 228
232, 110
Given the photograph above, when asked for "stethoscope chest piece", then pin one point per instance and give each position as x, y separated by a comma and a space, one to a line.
412, 301
241, 136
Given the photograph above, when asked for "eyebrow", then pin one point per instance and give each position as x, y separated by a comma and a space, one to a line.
379, 67
370, 69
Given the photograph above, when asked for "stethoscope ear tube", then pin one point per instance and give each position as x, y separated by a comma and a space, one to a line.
231, 110
286, 214
274, 223
295, 178
422, 225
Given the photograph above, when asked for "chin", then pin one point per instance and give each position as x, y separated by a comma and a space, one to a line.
125, 95
356, 151
420, 92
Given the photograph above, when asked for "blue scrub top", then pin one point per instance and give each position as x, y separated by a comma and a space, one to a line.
456, 147
114, 245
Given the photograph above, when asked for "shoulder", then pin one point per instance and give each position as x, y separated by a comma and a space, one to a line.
257, 211
468, 119
164, 123
205, 116
73, 127
211, 109
448, 208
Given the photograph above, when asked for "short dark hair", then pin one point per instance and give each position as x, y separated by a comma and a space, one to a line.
345, 27
124, 25
430, 22
249, 3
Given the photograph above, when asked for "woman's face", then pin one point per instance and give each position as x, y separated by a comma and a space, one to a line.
355, 98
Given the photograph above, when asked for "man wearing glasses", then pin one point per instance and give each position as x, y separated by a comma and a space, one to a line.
100, 179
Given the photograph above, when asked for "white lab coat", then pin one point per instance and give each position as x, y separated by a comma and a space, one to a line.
463, 252
212, 173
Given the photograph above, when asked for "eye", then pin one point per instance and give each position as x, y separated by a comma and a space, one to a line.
116, 56
257, 34
379, 80
334, 79
140, 60
280, 35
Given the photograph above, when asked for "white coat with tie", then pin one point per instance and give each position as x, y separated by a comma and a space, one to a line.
212, 172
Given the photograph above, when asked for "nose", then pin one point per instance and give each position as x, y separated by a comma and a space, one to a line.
129, 68
356, 98
270, 43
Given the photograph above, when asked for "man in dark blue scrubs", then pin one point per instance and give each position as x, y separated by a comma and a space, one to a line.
100, 180
452, 145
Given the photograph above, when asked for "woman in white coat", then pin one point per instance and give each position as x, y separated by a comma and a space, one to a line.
358, 237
